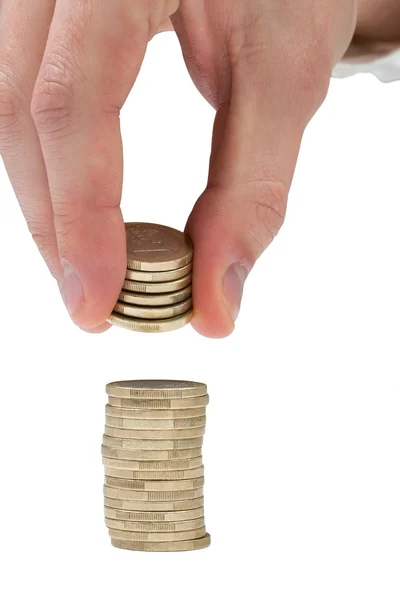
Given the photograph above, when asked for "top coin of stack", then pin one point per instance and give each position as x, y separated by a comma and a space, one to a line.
157, 292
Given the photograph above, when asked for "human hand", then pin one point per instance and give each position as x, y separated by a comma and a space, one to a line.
66, 69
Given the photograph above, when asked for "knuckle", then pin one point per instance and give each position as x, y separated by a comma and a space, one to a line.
53, 94
267, 206
11, 107
68, 218
311, 75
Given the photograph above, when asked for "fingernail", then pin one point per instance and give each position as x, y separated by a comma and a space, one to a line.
71, 289
233, 284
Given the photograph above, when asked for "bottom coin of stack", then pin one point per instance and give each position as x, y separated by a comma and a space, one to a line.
154, 474
156, 295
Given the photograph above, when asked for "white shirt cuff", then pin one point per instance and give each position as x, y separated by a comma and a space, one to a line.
385, 67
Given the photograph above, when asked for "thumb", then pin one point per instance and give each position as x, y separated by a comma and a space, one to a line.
256, 140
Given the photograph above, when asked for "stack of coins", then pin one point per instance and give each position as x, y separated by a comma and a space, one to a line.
157, 292
154, 475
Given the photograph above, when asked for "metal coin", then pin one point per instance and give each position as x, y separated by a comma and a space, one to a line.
153, 312
151, 496
154, 434
155, 326
154, 480
150, 455
162, 287
163, 536
154, 276
131, 413
156, 424
155, 465
152, 247
155, 526
156, 299
159, 404
154, 517
124, 444
147, 507
156, 389
128, 478
198, 544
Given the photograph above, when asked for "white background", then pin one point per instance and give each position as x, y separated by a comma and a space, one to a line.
302, 443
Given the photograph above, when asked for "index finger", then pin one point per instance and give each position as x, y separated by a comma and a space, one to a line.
93, 54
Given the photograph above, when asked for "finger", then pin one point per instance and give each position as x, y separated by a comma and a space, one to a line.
256, 140
21, 52
92, 58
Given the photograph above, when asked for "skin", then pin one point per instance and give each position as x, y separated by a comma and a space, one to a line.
66, 69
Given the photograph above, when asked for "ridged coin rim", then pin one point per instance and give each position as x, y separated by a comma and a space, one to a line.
158, 276
198, 544
155, 326
156, 389
161, 287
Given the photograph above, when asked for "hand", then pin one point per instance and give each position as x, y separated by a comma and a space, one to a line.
66, 69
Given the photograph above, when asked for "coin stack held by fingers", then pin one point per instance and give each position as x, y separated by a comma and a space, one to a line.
157, 294
154, 473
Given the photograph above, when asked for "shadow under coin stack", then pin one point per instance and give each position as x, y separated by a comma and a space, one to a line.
154, 475
157, 291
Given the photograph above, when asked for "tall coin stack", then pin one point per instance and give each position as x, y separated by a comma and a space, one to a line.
157, 291
154, 475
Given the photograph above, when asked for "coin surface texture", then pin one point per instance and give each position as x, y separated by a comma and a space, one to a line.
155, 526
148, 389
137, 505
151, 496
198, 544
159, 404
157, 536
155, 465
152, 247
114, 442
150, 326
156, 277
154, 517
156, 299
156, 424
162, 287
150, 455
152, 480
132, 413
154, 434
153, 312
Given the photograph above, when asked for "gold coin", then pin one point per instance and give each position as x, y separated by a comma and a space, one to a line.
154, 276
153, 312
156, 299
198, 544
150, 455
156, 424
156, 389
154, 465
162, 287
151, 496
155, 434
153, 247
150, 507
160, 404
133, 475
130, 474
131, 413
155, 526
163, 536
155, 326
124, 444
154, 517
150, 485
